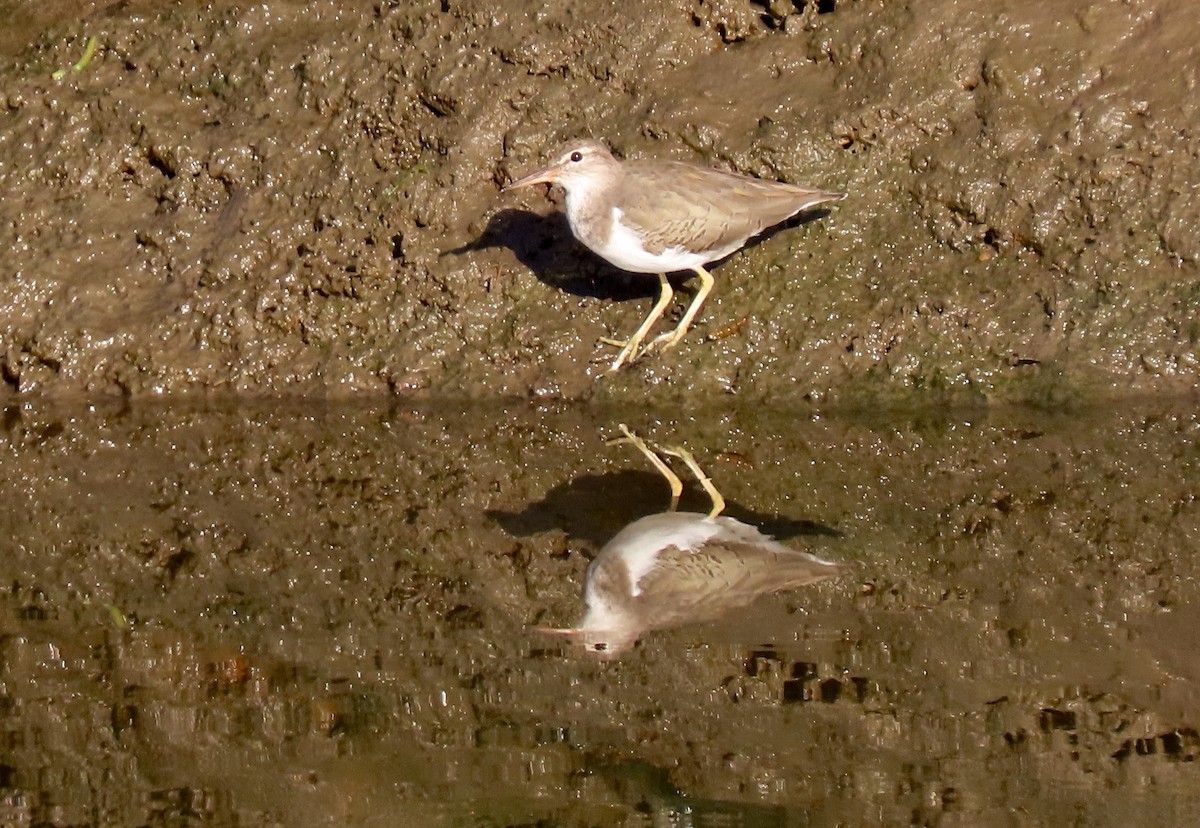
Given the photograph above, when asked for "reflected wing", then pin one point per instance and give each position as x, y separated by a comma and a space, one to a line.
722, 576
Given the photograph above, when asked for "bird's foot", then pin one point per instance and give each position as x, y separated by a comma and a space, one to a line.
630, 347
633, 350
660, 343
626, 354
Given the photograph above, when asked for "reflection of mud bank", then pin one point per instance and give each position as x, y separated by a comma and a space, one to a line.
258, 197
287, 609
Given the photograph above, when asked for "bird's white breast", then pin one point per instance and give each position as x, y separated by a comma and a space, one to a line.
622, 247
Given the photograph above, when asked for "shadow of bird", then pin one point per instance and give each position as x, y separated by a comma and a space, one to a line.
544, 244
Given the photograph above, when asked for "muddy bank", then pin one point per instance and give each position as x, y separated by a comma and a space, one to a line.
298, 615
264, 197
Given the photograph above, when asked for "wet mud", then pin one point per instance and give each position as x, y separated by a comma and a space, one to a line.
303, 614
304, 421
281, 197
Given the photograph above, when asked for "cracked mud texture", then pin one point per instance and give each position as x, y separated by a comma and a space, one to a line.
279, 197
298, 614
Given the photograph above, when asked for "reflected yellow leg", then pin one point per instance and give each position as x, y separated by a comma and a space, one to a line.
718, 502
672, 479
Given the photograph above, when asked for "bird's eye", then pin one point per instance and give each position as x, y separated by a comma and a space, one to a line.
577, 156
599, 646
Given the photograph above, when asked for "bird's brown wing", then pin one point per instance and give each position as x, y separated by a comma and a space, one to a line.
674, 204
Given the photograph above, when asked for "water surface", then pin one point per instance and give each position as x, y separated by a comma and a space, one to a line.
299, 614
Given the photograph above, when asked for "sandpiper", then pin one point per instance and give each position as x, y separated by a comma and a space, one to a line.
665, 216
674, 568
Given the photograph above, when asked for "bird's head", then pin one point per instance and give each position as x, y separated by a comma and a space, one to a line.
578, 164
607, 644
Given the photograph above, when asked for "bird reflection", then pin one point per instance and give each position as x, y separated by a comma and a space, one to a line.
673, 568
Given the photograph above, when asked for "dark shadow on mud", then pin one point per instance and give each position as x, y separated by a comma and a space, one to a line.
545, 245
594, 507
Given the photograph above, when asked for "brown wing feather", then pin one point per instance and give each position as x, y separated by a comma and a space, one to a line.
674, 203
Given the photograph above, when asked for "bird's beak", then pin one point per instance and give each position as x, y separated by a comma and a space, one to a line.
546, 175
605, 650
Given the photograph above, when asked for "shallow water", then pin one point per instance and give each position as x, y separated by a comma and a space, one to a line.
290, 613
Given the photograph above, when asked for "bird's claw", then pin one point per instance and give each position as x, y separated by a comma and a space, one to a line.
626, 354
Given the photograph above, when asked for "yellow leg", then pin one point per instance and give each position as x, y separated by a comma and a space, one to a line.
629, 348
671, 338
718, 502
672, 479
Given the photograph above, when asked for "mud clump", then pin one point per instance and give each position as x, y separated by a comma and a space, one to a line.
303, 197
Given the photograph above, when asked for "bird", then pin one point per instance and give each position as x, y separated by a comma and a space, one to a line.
660, 217
673, 568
